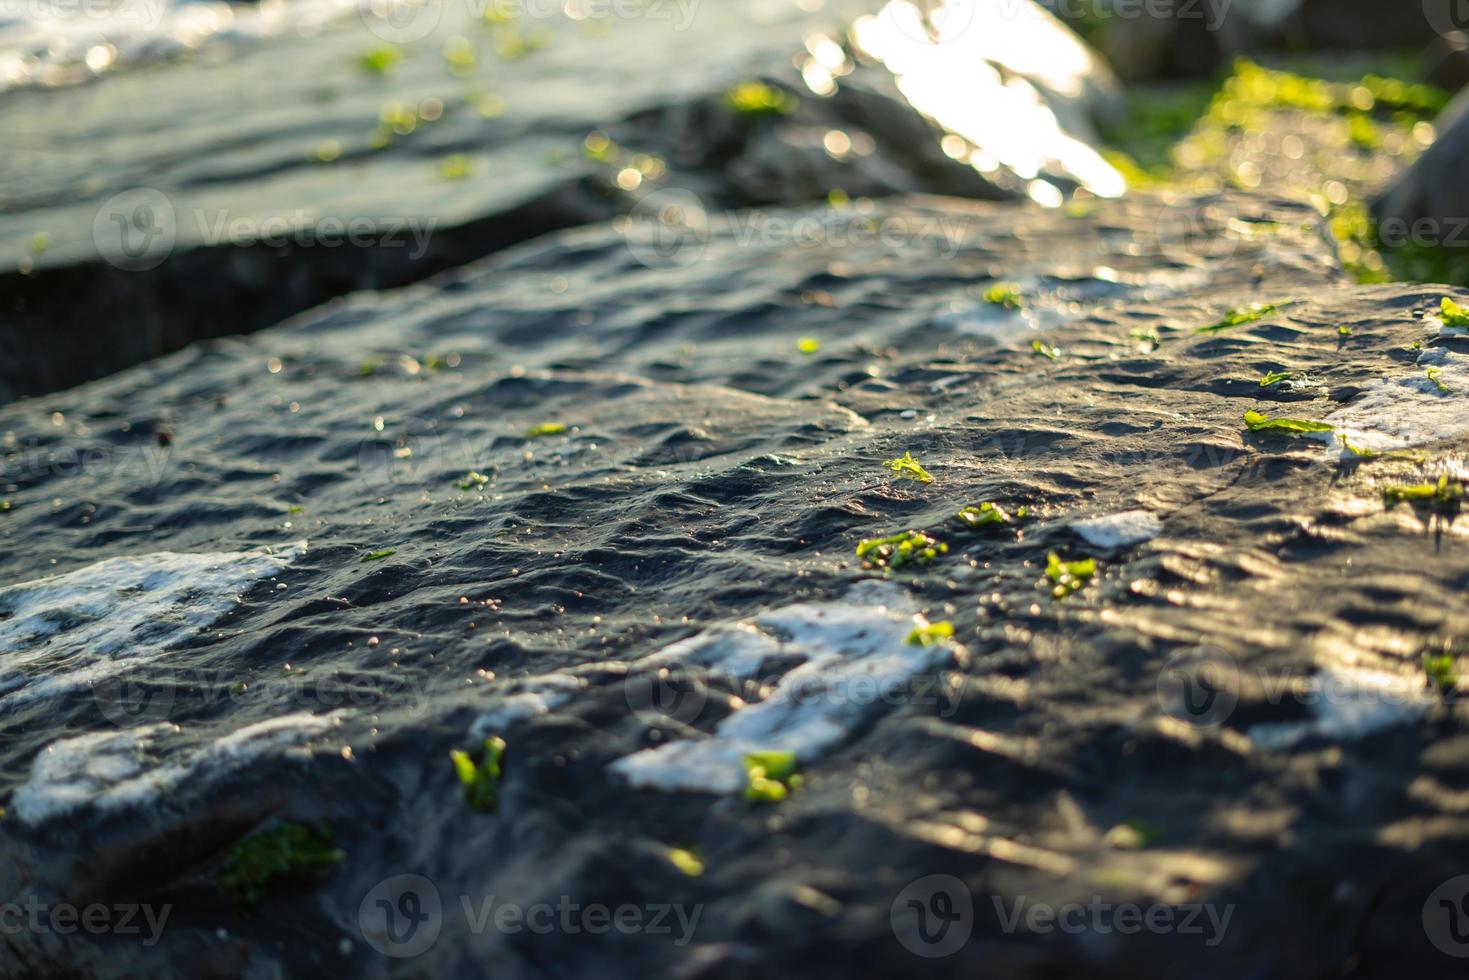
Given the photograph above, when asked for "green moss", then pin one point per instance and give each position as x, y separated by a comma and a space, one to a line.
930, 634
1005, 295
381, 59
480, 777
1452, 314
1069, 576
755, 98
289, 852
905, 466
1440, 670
771, 776
545, 429
40, 241
898, 550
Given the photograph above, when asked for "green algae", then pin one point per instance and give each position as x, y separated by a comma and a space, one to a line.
898, 550
380, 555
1069, 576
771, 776
1258, 422
1242, 315
930, 634
1045, 350
755, 98
289, 852
1004, 295
978, 516
1274, 378
380, 60
473, 480
906, 467
545, 429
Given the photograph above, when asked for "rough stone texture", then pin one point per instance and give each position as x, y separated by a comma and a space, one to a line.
711, 470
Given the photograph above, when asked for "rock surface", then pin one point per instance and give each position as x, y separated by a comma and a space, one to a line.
711, 473
137, 215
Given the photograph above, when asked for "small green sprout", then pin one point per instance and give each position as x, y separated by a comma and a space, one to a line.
808, 345
1275, 378
473, 480
1260, 423
5, 506
481, 779
1069, 576
1045, 350
1004, 295
1453, 315
1242, 315
1442, 496
930, 634
984, 515
686, 861
1436, 376
380, 60
755, 98
369, 367
40, 241
545, 429
772, 775
895, 551
380, 555
1343, 331
907, 466
1440, 670
290, 851
295, 509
